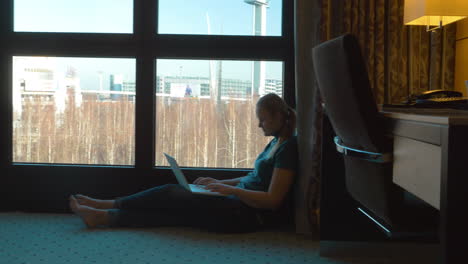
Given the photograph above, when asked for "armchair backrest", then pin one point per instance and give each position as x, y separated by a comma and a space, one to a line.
345, 89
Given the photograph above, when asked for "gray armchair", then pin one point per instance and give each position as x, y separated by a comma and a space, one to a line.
360, 136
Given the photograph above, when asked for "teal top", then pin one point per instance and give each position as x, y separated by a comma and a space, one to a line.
285, 157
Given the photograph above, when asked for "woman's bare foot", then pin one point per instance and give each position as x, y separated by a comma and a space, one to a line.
95, 203
91, 217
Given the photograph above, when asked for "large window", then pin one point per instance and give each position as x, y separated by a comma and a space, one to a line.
119, 82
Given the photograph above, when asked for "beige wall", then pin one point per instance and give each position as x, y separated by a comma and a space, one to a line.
461, 57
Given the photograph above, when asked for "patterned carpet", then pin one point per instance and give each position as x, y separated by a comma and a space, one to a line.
30, 238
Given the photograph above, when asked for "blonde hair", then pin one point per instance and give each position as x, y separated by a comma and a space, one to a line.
273, 104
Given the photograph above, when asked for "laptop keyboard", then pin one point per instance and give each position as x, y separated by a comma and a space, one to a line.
199, 188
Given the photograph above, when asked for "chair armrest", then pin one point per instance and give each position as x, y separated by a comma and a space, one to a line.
366, 155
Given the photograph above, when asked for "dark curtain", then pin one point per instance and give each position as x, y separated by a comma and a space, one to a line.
401, 60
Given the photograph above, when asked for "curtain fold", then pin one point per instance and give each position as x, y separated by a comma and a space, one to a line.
306, 189
401, 61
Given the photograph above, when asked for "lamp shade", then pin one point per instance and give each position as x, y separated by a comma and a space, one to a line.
434, 12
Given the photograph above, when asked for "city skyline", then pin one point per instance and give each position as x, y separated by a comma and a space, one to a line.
94, 73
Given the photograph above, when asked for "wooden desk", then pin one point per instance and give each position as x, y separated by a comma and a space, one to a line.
431, 161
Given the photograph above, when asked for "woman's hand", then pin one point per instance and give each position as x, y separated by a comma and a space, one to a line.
204, 181
222, 188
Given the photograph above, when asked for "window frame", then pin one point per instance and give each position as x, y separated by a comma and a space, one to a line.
145, 45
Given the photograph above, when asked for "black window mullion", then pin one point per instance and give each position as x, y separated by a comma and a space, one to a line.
73, 44
144, 30
233, 47
287, 19
6, 111
6, 28
6, 17
219, 53
289, 87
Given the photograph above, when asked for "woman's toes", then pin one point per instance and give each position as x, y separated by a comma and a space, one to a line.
80, 197
73, 204
86, 213
85, 200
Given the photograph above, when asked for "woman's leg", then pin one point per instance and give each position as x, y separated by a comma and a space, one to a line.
174, 196
226, 221
95, 203
172, 205
137, 200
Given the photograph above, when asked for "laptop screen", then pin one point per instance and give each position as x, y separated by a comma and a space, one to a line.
177, 171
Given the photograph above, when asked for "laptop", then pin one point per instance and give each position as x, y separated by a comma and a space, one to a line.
196, 189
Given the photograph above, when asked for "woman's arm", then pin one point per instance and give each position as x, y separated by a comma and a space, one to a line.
208, 180
280, 184
232, 182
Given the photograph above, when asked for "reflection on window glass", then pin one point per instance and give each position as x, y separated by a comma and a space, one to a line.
73, 110
205, 110
90, 16
233, 17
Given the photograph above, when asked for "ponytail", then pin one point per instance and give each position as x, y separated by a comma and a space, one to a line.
291, 118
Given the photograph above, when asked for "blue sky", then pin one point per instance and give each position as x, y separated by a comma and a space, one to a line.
230, 17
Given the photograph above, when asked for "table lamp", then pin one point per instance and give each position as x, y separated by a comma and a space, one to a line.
436, 13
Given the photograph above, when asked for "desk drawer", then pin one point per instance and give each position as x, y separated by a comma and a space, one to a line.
417, 168
429, 133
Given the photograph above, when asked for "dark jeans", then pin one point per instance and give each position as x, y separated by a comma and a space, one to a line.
172, 205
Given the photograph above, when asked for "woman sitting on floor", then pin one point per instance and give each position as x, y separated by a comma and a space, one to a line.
262, 198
